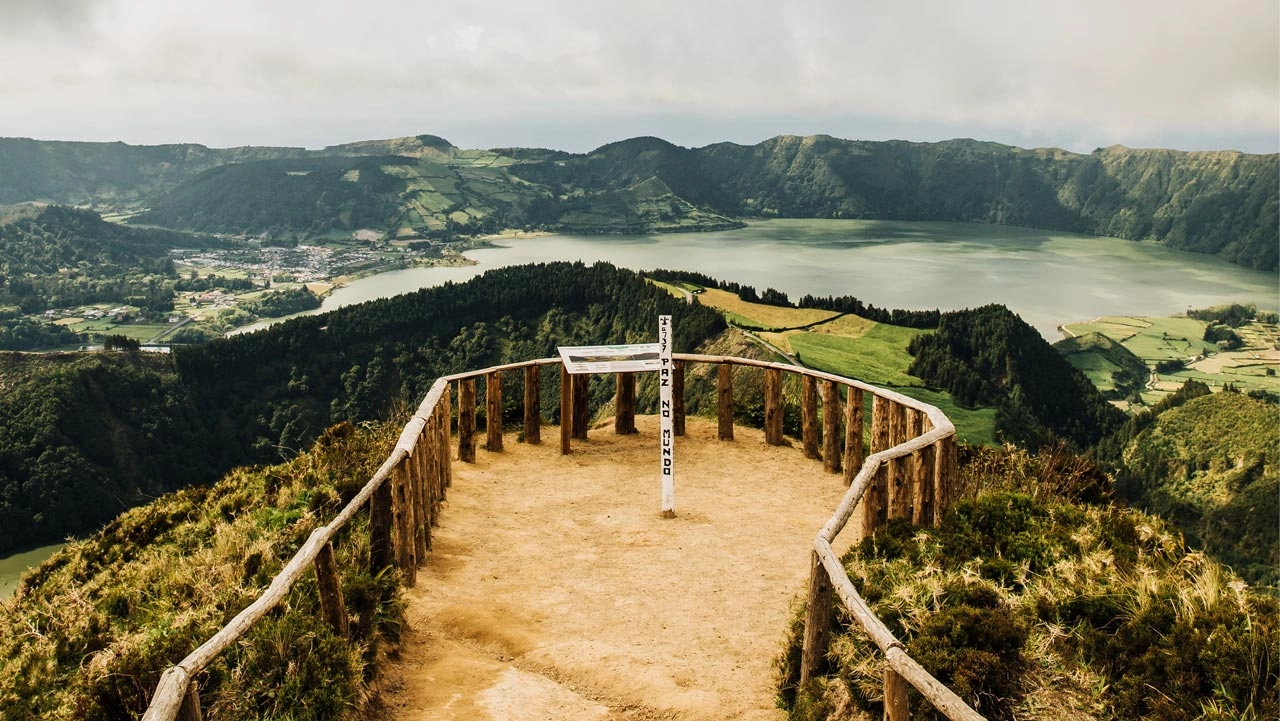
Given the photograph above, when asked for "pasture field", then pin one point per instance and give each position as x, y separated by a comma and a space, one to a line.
1154, 339
853, 347
758, 314
878, 356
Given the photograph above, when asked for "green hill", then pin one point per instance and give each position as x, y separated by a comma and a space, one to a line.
111, 612
989, 356
1212, 466
1113, 368
112, 174
83, 437
1219, 202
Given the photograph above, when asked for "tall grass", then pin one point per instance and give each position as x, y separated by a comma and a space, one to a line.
89, 632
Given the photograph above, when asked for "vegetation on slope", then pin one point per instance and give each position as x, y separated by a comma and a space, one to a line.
1112, 368
1211, 466
1041, 606
1222, 203
990, 356
113, 174
86, 436
56, 257
82, 438
282, 197
90, 630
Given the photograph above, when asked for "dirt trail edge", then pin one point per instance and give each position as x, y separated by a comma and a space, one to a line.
554, 589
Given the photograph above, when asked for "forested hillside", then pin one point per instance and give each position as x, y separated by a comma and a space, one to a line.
57, 257
82, 438
113, 174
1209, 463
989, 356
1219, 202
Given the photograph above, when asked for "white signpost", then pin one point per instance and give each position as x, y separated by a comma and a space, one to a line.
639, 357
666, 423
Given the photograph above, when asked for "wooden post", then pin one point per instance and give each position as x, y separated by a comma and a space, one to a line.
566, 410
446, 418
773, 406
944, 477
467, 420
809, 415
493, 412
421, 502
677, 397
873, 502
624, 405
532, 405
830, 427
922, 487
899, 468
425, 452
380, 554
724, 400
817, 621
853, 450
190, 708
581, 406
402, 511
331, 608
897, 706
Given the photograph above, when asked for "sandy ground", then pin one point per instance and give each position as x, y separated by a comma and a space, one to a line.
554, 589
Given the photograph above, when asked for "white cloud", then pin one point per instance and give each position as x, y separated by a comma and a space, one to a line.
1080, 73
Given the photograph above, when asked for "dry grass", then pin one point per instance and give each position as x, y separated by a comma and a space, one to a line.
768, 316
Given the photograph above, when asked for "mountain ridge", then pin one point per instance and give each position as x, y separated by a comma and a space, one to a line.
1221, 202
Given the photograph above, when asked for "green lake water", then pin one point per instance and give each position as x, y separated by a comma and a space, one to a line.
1047, 277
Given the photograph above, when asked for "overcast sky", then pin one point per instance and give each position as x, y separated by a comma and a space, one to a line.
572, 74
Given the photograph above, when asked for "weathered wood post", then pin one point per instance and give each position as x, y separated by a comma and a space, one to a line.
493, 412
190, 708
830, 426
944, 477
446, 419
327, 581
724, 401
533, 405
922, 473
773, 406
402, 511
809, 415
581, 405
467, 420
380, 553
817, 621
853, 450
899, 468
897, 706
566, 410
874, 500
421, 507
624, 405
677, 397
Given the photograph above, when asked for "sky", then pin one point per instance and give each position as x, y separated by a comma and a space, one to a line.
573, 74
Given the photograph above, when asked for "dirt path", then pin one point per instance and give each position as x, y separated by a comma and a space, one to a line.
554, 590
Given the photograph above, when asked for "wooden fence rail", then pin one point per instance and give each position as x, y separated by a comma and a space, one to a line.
909, 473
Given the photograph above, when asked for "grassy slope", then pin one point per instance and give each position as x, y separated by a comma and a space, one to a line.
1212, 466
1154, 339
1112, 367
855, 348
91, 629
1041, 607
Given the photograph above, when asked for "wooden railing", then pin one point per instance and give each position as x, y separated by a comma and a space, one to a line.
909, 473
